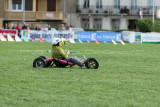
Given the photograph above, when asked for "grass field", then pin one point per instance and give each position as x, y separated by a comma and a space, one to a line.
128, 76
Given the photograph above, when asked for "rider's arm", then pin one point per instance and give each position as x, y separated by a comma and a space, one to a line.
63, 55
64, 42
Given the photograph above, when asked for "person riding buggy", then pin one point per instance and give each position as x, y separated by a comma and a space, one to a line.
58, 52
62, 59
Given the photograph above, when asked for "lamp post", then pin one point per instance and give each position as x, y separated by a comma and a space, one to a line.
23, 2
153, 14
70, 14
64, 8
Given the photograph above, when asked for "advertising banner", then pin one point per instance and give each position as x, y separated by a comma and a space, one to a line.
109, 36
5, 32
138, 37
76, 30
33, 34
100, 36
126, 36
132, 37
151, 37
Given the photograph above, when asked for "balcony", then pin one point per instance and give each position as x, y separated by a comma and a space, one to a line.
29, 16
33, 16
116, 10
44, 15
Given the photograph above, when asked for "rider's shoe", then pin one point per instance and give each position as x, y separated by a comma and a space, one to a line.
83, 59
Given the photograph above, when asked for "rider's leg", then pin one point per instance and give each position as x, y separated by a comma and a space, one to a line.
75, 60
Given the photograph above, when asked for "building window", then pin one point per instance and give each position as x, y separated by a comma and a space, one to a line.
99, 4
85, 23
17, 5
51, 5
117, 3
150, 4
115, 24
98, 23
134, 4
132, 24
28, 5
86, 4
7, 4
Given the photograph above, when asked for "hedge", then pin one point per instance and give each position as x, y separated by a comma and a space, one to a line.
146, 25
106, 30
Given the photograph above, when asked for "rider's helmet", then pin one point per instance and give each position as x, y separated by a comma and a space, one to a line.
56, 41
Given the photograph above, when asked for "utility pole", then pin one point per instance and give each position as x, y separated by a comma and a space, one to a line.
23, 2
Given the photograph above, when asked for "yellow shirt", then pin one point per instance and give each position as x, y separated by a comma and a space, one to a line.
58, 52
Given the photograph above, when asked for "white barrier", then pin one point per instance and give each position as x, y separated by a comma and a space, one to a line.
2, 38
76, 30
17, 38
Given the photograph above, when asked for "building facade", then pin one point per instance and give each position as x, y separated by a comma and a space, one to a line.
112, 14
38, 11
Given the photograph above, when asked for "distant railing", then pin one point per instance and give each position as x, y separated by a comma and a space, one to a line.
132, 10
32, 16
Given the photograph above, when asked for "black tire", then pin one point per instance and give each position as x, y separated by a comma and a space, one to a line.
39, 63
92, 63
47, 63
42, 57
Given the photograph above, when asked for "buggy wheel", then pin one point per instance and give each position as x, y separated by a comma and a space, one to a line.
92, 63
47, 63
39, 63
42, 57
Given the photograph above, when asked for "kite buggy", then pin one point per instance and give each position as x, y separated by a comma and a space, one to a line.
42, 62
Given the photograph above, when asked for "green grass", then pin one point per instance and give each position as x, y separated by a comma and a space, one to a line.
128, 76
